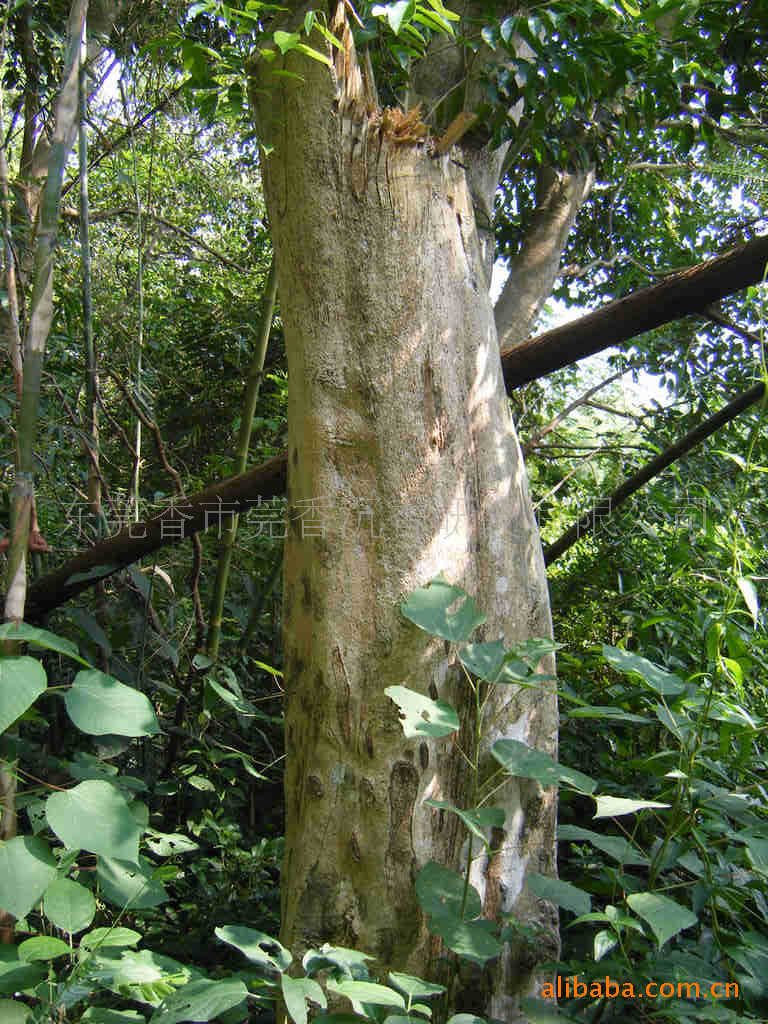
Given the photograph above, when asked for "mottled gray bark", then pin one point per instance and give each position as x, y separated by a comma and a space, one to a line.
403, 463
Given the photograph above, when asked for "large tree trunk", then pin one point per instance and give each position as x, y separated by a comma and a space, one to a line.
403, 463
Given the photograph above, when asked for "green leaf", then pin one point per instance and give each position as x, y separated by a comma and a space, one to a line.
69, 905
109, 937
415, 988
17, 975
42, 947
296, 992
562, 894
440, 892
519, 759
239, 703
615, 846
340, 1018
259, 948
483, 660
359, 992
27, 868
200, 1000
479, 821
665, 917
662, 682
141, 975
310, 51
749, 593
469, 939
12, 1012
40, 638
164, 844
99, 704
609, 712
397, 14
466, 1018
422, 716
101, 1015
286, 41
94, 816
428, 607
539, 1011
614, 806
22, 680
128, 884
343, 961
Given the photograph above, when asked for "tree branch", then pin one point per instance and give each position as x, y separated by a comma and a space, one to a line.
681, 294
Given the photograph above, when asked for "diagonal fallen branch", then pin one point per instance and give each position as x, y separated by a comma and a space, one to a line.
172, 526
607, 506
689, 291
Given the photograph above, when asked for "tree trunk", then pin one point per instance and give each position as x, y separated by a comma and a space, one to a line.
403, 463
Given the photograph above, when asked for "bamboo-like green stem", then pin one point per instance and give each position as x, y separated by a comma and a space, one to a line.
91, 370
229, 532
41, 316
139, 347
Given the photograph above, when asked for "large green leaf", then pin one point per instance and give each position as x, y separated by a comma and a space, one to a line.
472, 940
27, 868
347, 962
200, 1000
440, 891
129, 884
422, 716
22, 680
140, 974
666, 683
164, 844
607, 712
102, 1015
69, 905
40, 638
43, 947
259, 948
562, 894
94, 816
106, 938
415, 988
296, 992
17, 975
359, 992
521, 760
665, 917
541, 1011
615, 806
99, 704
429, 608
480, 821
615, 846
483, 660
12, 1012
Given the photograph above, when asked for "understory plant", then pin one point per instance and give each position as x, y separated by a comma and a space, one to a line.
665, 887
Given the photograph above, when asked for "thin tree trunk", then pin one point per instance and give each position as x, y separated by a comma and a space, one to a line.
40, 318
229, 531
23, 521
91, 368
403, 463
532, 273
